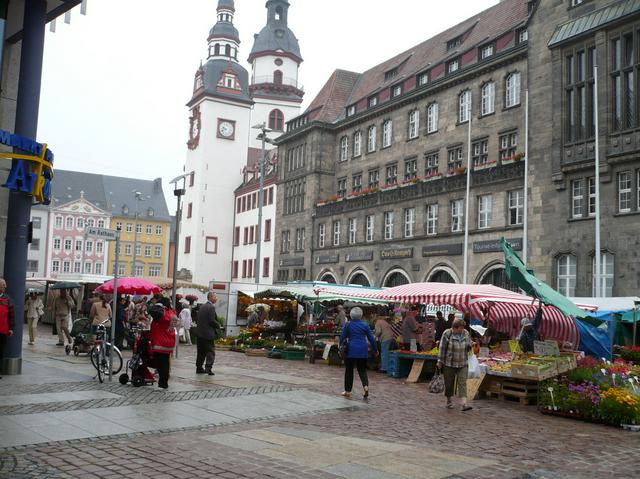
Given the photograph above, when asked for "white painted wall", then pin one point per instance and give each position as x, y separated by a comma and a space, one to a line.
265, 66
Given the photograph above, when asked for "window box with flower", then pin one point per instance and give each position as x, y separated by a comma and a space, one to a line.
485, 166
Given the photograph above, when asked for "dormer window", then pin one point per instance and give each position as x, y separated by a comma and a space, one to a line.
486, 51
396, 91
423, 79
199, 81
150, 212
456, 42
228, 82
373, 101
453, 66
390, 75
351, 110
125, 210
523, 35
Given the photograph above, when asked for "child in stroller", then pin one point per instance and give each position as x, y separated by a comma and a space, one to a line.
140, 360
82, 337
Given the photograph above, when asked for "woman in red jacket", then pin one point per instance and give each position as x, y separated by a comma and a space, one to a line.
163, 338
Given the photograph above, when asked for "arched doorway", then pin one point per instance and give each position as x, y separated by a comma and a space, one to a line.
497, 276
328, 278
359, 278
396, 278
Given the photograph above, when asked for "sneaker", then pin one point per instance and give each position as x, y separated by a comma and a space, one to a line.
366, 392
467, 408
200, 371
449, 405
346, 394
210, 373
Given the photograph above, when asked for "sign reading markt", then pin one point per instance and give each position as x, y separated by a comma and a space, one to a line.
397, 253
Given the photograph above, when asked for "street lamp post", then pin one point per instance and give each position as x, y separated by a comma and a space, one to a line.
178, 193
262, 136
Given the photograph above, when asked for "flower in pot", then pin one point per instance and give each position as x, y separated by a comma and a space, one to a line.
460, 170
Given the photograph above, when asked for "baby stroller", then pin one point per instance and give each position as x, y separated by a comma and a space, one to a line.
82, 337
140, 361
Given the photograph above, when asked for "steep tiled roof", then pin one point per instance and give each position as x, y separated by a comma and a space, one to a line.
342, 89
328, 105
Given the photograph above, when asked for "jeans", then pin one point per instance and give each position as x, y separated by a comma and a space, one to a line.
163, 364
361, 365
384, 355
206, 349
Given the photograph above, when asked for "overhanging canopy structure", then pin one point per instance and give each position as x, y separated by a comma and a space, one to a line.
315, 291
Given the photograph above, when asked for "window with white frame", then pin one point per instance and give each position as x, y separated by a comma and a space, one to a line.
300, 239
388, 225
336, 233
91, 222
457, 215
128, 249
455, 158
58, 224
464, 106
480, 151
373, 101
87, 267
77, 267
566, 275
371, 139
159, 230
396, 91
357, 144
356, 183
342, 187
414, 124
285, 241
392, 174
149, 229
129, 227
158, 251
523, 35
99, 247
431, 161
147, 251
101, 224
139, 228
591, 184
321, 234
387, 130
79, 223
370, 228
484, 211
88, 246
624, 191
68, 244
516, 207
432, 219
344, 148
512, 90
488, 104
374, 178
410, 169
606, 275
154, 271
353, 229
351, 110
57, 243
423, 79
453, 66
55, 266
409, 222
139, 270
98, 268
432, 118
486, 51
138, 249
508, 145
66, 266
69, 223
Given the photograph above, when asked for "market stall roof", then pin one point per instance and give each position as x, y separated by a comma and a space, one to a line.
622, 303
315, 291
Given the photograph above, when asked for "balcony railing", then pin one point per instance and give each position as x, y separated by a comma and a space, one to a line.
284, 81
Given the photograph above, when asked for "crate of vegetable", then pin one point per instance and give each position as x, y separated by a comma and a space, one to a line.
535, 370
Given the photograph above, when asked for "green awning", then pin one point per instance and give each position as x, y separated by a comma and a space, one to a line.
518, 274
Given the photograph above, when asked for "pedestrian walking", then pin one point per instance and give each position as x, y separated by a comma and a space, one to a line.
385, 335
185, 322
34, 309
207, 331
7, 318
453, 360
354, 338
163, 338
62, 307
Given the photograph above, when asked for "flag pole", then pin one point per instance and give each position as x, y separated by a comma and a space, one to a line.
597, 272
466, 204
525, 218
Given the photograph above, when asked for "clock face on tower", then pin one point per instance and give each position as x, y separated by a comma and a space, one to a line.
226, 129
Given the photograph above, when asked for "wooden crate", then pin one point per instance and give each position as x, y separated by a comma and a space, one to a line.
534, 372
524, 391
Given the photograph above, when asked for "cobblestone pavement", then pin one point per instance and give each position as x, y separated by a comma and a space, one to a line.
402, 432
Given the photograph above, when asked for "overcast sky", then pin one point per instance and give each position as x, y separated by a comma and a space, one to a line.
115, 82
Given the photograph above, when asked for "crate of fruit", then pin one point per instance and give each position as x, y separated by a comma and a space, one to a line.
536, 371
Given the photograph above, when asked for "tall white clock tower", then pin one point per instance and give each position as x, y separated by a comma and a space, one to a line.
219, 132
275, 60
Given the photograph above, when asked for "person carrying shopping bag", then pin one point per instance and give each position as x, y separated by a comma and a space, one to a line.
354, 338
453, 360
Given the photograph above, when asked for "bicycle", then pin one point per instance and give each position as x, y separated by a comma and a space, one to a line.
101, 356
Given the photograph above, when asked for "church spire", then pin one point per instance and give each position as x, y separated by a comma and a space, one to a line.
224, 39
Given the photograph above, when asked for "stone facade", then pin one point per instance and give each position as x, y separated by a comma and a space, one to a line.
562, 238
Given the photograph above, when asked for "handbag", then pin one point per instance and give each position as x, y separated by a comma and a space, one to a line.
473, 367
344, 349
436, 386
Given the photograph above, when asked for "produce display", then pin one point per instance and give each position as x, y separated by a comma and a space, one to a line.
527, 366
597, 391
433, 352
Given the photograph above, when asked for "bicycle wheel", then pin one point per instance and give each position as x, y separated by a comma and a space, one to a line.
99, 361
95, 355
116, 358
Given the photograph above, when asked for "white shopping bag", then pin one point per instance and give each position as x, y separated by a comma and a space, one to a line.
474, 367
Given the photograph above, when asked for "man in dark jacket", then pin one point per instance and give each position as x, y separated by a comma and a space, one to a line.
207, 330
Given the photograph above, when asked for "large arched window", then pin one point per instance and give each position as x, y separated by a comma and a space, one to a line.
216, 49
566, 275
497, 276
488, 98
512, 90
277, 77
276, 120
227, 50
359, 278
396, 278
328, 278
606, 275
441, 276
464, 106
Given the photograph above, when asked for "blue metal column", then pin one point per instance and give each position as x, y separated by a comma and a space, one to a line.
19, 214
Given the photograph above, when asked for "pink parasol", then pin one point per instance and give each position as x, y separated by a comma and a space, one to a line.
127, 285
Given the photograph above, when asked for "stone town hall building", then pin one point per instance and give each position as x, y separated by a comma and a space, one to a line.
371, 183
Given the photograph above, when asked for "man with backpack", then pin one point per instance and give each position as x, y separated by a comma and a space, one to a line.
7, 319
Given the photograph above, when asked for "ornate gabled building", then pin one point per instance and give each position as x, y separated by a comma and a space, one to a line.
226, 104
